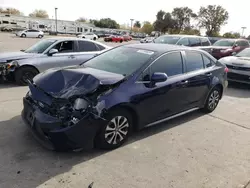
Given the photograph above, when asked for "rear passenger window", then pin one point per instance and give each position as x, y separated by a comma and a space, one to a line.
100, 47
194, 41
207, 62
184, 42
205, 42
194, 61
171, 64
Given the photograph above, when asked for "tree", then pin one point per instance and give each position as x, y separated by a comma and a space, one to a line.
147, 27
106, 23
39, 14
190, 31
164, 22
137, 24
231, 35
182, 17
212, 18
81, 19
10, 11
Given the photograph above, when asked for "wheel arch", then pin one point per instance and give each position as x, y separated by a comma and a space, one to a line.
131, 109
26, 65
218, 85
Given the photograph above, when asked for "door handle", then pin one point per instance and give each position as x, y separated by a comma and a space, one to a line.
182, 83
72, 57
209, 74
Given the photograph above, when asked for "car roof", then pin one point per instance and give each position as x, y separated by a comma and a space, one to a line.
191, 36
161, 48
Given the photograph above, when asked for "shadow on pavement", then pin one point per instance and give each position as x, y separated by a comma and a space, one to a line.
238, 90
7, 85
24, 163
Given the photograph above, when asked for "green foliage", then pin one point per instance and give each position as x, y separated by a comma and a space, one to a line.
212, 18
231, 35
10, 11
147, 27
137, 24
81, 19
106, 23
39, 14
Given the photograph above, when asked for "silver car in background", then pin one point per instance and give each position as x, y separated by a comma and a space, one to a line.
30, 33
51, 53
238, 66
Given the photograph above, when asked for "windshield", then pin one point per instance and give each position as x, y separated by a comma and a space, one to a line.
167, 39
122, 60
40, 47
224, 43
244, 53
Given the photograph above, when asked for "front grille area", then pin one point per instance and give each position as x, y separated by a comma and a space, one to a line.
239, 77
238, 68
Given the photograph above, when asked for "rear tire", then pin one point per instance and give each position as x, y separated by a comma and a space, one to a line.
213, 100
24, 73
40, 36
121, 41
116, 131
23, 35
94, 38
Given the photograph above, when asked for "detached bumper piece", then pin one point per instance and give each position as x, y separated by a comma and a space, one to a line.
51, 134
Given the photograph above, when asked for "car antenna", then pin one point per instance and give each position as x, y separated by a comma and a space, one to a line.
91, 185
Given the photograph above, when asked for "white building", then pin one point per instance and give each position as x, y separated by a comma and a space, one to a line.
63, 26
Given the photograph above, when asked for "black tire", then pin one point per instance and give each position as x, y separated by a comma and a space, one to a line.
94, 38
40, 36
105, 139
121, 41
23, 35
83, 37
23, 73
213, 100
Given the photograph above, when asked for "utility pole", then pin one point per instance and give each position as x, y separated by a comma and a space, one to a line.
243, 28
131, 23
56, 19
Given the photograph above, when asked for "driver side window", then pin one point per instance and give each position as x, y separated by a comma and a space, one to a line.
65, 47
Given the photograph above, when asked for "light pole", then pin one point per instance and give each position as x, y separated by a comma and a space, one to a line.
131, 23
56, 18
243, 28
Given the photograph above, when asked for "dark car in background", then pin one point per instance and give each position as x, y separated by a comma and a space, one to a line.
226, 47
183, 40
126, 88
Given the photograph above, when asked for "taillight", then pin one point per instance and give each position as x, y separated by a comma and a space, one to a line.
226, 70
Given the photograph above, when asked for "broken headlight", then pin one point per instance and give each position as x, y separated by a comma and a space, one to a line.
81, 104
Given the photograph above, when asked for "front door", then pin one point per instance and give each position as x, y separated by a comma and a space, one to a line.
66, 56
162, 99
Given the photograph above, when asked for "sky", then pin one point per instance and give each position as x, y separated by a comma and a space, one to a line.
123, 11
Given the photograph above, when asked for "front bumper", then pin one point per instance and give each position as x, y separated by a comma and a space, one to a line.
49, 132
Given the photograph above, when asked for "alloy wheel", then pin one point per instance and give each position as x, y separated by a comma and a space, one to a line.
117, 130
213, 99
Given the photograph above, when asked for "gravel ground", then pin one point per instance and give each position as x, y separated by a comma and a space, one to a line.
193, 151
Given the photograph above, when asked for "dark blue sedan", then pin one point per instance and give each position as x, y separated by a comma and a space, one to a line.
124, 89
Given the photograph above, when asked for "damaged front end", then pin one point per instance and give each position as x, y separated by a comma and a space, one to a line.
7, 69
67, 115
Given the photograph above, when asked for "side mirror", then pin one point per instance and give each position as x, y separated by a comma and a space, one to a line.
159, 77
52, 51
235, 45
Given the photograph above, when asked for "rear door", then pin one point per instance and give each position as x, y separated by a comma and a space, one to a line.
87, 50
198, 77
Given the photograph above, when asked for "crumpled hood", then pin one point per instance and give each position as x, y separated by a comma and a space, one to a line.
9, 56
67, 82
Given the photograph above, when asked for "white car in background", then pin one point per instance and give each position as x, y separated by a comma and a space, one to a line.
31, 33
89, 35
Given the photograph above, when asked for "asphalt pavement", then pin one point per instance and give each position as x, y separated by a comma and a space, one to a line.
193, 151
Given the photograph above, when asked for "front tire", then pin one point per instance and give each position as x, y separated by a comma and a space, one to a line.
24, 73
23, 35
121, 41
94, 38
116, 131
212, 100
40, 36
